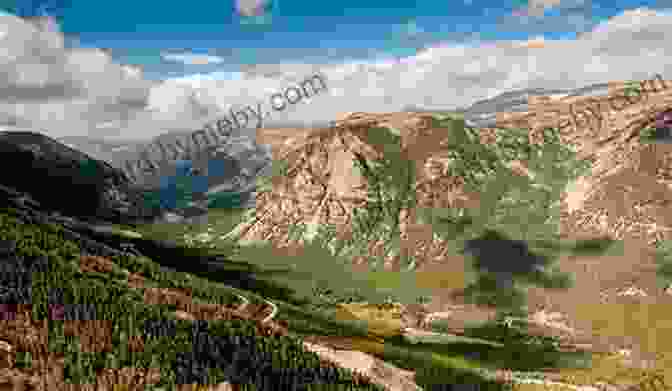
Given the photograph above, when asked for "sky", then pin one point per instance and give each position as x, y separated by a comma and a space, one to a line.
134, 70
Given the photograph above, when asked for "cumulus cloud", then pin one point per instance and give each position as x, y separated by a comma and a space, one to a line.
574, 15
62, 91
80, 91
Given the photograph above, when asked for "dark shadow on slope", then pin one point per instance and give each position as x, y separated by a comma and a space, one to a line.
493, 252
522, 351
62, 179
213, 266
597, 246
433, 375
585, 247
657, 136
518, 353
248, 277
501, 263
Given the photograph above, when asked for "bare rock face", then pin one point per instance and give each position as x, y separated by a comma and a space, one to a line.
605, 130
323, 184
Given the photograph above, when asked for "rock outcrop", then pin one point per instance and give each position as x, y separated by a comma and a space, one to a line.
322, 184
605, 130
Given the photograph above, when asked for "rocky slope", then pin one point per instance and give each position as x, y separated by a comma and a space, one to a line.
624, 196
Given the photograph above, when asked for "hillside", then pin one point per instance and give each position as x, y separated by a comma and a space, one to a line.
81, 305
616, 193
88, 303
77, 184
411, 248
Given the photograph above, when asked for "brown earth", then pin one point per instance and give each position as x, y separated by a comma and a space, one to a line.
626, 197
20, 332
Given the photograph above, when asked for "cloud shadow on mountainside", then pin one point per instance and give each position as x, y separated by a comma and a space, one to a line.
500, 263
213, 265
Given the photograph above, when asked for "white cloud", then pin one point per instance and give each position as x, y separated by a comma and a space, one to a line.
569, 15
200, 79
57, 90
80, 91
192, 58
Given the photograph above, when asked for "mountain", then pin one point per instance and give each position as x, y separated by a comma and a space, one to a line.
236, 163
482, 113
61, 187
221, 175
102, 149
226, 172
230, 169
55, 219
66, 180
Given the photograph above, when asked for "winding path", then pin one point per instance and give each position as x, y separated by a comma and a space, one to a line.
273, 313
245, 300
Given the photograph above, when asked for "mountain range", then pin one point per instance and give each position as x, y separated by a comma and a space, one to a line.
60, 185
230, 169
480, 113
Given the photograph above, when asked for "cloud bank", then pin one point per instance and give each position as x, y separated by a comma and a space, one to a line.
64, 92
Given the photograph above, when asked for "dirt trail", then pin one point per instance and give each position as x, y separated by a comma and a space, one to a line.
625, 195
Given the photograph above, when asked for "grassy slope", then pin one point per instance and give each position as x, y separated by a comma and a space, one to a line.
609, 320
115, 301
434, 360
123, 306
436, 363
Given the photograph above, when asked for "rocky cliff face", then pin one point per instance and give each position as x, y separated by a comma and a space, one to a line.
322, 184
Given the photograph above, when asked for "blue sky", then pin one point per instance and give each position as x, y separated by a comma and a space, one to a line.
136, 68
139, 32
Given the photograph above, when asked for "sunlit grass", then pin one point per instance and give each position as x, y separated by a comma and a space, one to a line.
219, 222
647, 324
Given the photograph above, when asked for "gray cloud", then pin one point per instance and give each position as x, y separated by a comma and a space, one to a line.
108, 100
574, 15
53, 87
